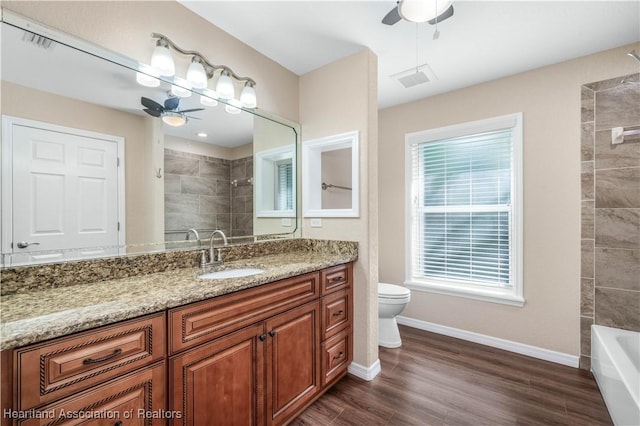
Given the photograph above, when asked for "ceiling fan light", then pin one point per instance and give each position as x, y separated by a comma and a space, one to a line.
181, 87
196, 74
209, 98
248, 96
224, 87
233, 107
162, 60
174, 119
422, 10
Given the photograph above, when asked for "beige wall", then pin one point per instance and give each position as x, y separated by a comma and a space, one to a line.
328, 108
336, 170
126, 27
137, 131
550, 100
207, 149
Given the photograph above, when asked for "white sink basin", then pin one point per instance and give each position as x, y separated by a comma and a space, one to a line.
231, 273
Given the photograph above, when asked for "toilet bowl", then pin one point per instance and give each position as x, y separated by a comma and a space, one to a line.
392, 299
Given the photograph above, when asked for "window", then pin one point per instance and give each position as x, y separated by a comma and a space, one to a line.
284, 185
464, 191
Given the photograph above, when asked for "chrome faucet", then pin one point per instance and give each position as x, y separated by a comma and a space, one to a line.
195, 234
213, 259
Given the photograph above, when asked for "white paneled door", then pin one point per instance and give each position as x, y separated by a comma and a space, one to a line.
64, 195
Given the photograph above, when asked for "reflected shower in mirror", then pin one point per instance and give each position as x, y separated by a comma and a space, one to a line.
101, 175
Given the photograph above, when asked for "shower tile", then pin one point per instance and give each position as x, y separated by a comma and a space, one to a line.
238, 170
585, 362
180, 165
171, 184
614, 156
586, 259
618, 188
587, 228
198, 185
587, 180
617, 268
618, 107
612, 82
215, 169
586, 297
587, 141
618, 228
585, 335
224, 223
181, 203
618, 308
223, 188
214, 204
588, 101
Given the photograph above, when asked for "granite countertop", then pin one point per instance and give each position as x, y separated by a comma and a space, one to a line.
43, 314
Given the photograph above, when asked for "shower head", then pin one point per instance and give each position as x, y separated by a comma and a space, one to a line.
634, 55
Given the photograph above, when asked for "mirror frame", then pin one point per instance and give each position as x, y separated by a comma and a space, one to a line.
312, 175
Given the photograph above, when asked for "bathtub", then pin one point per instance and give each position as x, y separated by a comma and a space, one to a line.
615, 363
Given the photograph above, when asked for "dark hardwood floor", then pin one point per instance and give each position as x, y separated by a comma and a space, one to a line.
438, 380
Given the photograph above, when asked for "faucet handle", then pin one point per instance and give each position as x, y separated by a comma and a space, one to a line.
219, 255
203, 258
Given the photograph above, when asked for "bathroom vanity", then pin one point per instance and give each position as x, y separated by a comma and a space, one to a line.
255, 352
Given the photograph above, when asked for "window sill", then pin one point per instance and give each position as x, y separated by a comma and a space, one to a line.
485, 295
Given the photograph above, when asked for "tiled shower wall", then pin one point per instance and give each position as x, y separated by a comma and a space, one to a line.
198, 194
610, 270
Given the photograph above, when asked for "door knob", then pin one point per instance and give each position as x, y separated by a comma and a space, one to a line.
24, 244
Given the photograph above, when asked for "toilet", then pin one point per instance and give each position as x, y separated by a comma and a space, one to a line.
392, 299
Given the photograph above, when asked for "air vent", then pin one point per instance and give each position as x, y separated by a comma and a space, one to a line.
37, 40
414, 76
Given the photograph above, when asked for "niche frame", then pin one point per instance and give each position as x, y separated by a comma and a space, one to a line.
312, 175
266, 181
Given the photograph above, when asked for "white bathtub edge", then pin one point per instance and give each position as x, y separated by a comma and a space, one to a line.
495, 342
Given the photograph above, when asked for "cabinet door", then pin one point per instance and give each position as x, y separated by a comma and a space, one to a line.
221, 382
293, 371
137, 399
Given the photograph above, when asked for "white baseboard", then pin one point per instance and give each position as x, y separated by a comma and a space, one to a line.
365, 373
483, 339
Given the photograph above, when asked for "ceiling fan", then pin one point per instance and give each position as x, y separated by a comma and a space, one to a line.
169, 111
431, 11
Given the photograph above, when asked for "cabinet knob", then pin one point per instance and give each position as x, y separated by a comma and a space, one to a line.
262, 337
272, 333
340, 355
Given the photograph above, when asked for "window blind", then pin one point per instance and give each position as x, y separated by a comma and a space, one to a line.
285, 186
461, 209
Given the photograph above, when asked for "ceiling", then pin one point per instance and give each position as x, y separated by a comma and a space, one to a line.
483, 41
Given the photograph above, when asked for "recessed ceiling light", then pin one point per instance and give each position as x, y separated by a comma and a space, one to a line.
201, 135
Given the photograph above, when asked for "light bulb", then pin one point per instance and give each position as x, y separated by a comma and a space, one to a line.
224, 87
196, 74
422, 10
248, 96
181, 87
147, 76
174, 119
233, 107
209, 98
162, 60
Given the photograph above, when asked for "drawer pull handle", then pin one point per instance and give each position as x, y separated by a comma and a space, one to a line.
339, 313
272, 333
340, 355
336, 279
102, 358
262, 337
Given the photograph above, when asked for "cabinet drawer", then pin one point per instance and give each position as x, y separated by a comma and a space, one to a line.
336, 312
336, 356
128, 400
55, 369
335, 278
204, 321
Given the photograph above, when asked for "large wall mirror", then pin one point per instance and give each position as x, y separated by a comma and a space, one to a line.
87, 173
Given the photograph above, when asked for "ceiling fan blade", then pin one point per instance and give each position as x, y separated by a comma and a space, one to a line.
153, 112
172, 103
444, 15
191, 110
151, 104
192, 117
392, 17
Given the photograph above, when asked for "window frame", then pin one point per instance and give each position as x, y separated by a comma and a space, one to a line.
510, 296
